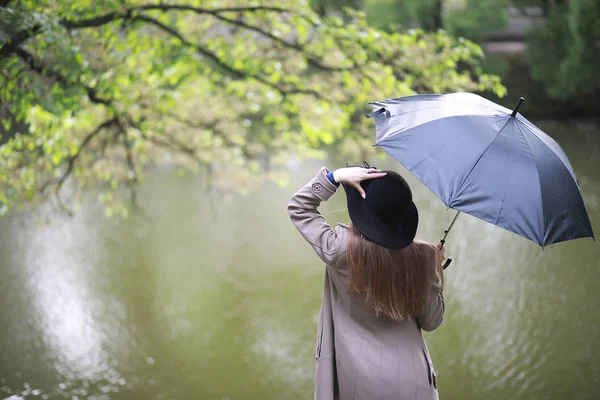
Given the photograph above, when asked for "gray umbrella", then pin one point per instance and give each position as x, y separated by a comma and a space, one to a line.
482, 159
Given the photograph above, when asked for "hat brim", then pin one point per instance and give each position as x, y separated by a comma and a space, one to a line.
374, 229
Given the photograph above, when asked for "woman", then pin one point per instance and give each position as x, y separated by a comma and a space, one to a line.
382, 288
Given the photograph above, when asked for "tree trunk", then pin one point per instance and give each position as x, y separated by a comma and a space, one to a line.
437, 15
434, 20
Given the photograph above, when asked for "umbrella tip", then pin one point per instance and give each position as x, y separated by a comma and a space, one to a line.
514, 113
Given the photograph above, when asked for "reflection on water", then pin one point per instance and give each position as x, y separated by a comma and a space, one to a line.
178, 304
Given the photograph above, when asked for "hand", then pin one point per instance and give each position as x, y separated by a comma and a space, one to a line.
442, 251
353, 176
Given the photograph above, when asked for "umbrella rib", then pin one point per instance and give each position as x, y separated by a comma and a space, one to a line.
540, 183
534, 130
458, 190
512, 156
590, 230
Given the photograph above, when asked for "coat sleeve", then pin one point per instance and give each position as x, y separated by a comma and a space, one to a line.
433, 313
303, 212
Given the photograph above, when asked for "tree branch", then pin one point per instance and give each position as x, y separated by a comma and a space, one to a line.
14, 42
28, 33
50, 73
103, 19
294, 46
236, 73
230, 70
128, 153
20, 37
211, 126
173, 144
71, 160
132, 173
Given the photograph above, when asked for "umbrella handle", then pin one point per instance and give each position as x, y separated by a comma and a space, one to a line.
447, 263
443, 240
448, 260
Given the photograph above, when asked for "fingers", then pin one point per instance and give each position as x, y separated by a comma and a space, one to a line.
375, 174
354, 175
360, 190
370, 173
441, 250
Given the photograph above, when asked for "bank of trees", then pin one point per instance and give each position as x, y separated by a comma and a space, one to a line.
563, 52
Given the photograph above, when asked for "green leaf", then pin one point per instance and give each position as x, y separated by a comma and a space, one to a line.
56, 158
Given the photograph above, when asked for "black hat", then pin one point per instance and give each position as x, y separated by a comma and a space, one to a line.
387, 216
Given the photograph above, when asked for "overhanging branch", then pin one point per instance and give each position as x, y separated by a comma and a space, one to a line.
23, 35
18, 39
209, 126
50, 73
132, 173
294, 46
234, 72
72, 159
133, 14
103, 19
165, 28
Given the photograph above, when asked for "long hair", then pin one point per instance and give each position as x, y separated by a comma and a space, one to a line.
395, 282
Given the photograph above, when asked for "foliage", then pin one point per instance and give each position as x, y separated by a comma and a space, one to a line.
564, 52
476, 18
324, 7
388, 14
106, 88
384, 14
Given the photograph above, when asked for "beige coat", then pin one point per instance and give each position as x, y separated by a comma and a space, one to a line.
361, 356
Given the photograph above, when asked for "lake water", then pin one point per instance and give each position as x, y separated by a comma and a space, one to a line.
185, 302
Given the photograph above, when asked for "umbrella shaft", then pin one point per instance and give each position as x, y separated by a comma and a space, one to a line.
447, 231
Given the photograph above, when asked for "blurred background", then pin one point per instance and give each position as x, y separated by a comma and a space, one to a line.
148, 150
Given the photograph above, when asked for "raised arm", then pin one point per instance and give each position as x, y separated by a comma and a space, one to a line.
303, 212
307, 219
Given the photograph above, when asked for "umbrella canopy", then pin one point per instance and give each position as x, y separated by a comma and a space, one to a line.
481, 160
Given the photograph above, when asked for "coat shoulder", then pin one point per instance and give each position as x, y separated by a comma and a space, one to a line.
422, 244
